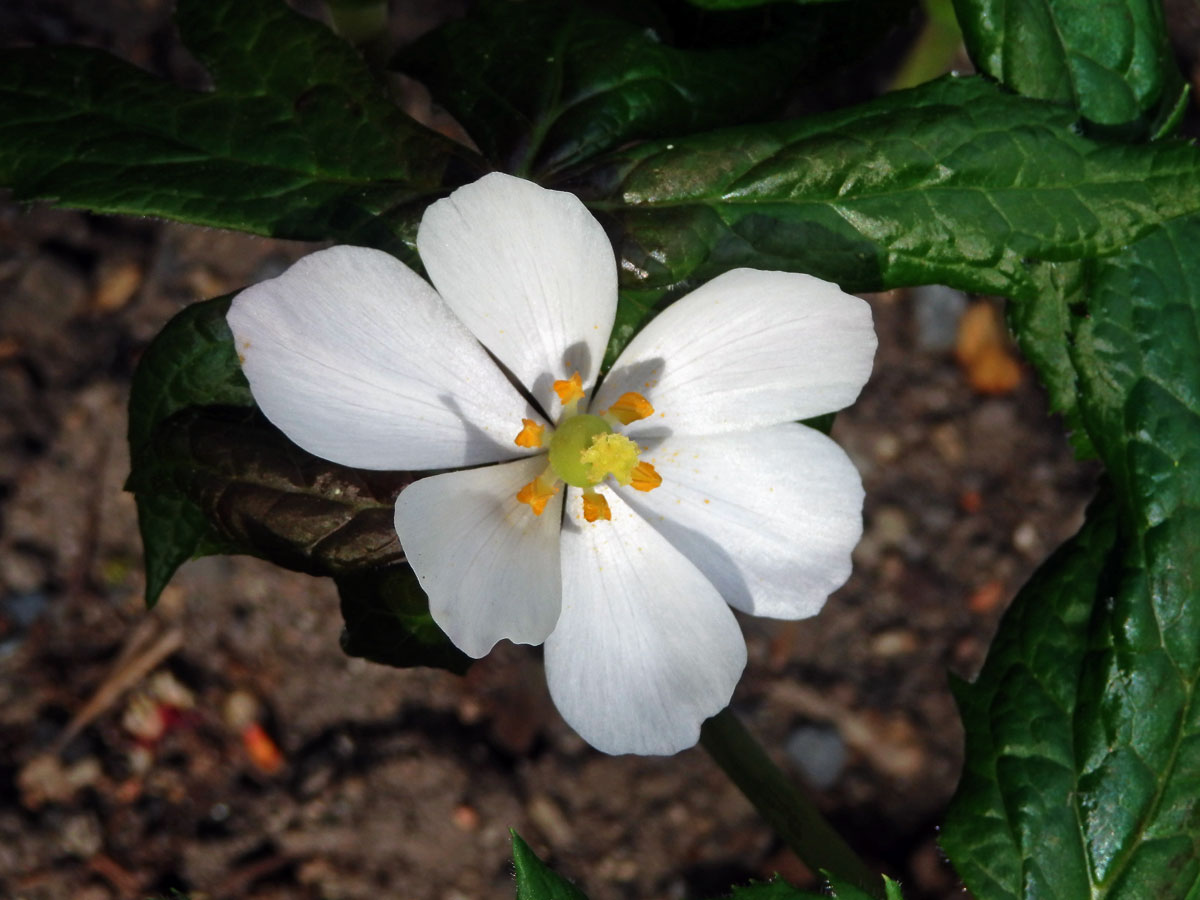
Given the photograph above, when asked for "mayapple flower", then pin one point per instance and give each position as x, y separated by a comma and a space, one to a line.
615, 522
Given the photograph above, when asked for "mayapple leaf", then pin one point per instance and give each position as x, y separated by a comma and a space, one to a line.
545, 84
387, 621
267, 497
296, 139
1082, 731
191, 363
536, 880
954, 182
1109, 59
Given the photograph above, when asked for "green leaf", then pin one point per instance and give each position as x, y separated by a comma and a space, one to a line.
192, 362
842, 890
536, 880
1109, 59
387, 621
1012, 822
544, 84
954, 182
1083, 749
296, 140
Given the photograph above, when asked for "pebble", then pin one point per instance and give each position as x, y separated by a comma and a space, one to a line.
937, 310
896, 642
81, 836
550, 821
1027, 540
819, 752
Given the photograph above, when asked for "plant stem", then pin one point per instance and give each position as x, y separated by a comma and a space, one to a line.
782, 804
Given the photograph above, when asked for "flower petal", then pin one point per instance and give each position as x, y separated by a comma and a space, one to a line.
488, 564
645, 648
748, 348
530, 272
769, 516
356, 359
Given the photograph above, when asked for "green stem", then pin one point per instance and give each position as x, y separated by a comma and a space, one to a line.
782, 804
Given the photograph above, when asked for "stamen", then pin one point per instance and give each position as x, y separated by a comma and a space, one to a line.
630, 407
595, 506
569, 391
538, 493
531, 435
645, 478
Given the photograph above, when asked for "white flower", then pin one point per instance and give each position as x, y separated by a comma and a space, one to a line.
359, 361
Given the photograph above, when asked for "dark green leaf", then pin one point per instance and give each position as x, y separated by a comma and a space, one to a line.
543, 84
843, 890
1108, 59
296, 140
536, 880
387, 621
1083, 730
1013, 802
192, 362
1042, 325
265, 496
954, 182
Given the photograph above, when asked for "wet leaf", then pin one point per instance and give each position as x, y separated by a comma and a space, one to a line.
1109, 59
1082, 729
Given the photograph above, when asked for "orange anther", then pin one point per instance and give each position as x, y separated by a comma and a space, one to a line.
531, 434
630, 407
537, 494
595, 507
569, 390
645, 478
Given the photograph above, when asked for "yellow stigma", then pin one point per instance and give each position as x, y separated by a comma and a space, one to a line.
645, 477
538, 493
630, 407
595, 506
569, 391
531, 435
610, 454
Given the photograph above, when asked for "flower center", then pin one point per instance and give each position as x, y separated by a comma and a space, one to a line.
584, 450
573, 456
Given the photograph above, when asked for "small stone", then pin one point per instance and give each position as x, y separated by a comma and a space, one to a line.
937, 310
465, 817
1027, 540
986, 598
819, 752
948, 443
890, 526
896, 642
116, 285
887, 447
550, 821
81, 836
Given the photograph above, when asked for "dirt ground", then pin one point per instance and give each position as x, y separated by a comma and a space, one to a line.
223, 745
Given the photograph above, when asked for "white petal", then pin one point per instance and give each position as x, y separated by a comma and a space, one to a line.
488, 564
769, 516
530, 272
748, 348
356, 359
645, 648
